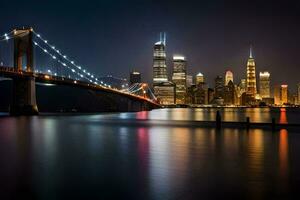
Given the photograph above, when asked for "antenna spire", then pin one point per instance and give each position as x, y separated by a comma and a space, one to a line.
251, 55
160, 36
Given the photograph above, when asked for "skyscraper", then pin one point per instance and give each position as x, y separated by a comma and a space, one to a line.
135, 77
229, 93
264, 84
219, 87
165, 93
277, 96
189, 80
228, 77
159, 61
251, 75
179, 78
199, 78
163, 89
281, 94
201, 94
242, 86
284, 94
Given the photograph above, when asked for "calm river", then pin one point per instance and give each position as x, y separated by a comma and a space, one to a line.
113, 156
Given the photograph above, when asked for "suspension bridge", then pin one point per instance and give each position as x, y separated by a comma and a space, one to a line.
63, 71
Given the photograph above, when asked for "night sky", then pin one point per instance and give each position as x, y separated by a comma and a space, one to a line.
114, 37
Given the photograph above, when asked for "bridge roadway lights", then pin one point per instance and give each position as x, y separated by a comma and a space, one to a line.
24, 97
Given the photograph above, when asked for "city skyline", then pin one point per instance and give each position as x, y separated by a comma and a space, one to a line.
251, 61
210, 35
254, 90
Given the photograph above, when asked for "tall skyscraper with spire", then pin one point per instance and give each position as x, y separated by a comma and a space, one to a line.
159, 61
163, 89
251, 75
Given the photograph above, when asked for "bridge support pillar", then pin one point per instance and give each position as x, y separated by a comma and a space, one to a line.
24, 98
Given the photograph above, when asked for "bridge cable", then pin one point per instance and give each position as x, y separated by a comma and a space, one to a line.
62, 63
53, 48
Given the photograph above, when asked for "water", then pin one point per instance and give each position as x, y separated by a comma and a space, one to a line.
113, 156
282, 115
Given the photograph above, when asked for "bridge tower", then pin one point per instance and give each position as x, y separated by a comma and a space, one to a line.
24, 93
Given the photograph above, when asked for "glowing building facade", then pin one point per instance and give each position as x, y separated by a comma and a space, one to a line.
284, 94
179, 78
277, 95
281, 94
160, 74
228, 77
189, 80
264, 84
165, 93
242, 86
163, 89
251, 76
199, 78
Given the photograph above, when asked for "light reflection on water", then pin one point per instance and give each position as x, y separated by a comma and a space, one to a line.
56, 157
282, 115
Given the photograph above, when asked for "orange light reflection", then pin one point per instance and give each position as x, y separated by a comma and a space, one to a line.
283, 118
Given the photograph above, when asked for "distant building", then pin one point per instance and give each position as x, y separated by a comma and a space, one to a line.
248, 100
135, 77
251, 76
210, 95
228, 77
281, 94
165, 93
243, 86
201, 95
264, 84
268, 101
179, 78
294, 99
229, 93
160, 74
198, 94
284, 94
199, 78
237, 95
277, 95
189, 81
190, 97
219, 87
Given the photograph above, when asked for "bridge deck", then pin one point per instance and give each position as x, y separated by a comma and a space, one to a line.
10, 72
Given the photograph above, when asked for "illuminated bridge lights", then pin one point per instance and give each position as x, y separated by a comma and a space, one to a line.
78, 72
65, 56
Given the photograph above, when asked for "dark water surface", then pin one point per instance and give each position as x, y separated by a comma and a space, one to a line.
84, 157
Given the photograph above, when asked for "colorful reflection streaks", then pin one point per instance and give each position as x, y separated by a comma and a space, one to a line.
283, 154
283, 117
